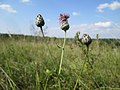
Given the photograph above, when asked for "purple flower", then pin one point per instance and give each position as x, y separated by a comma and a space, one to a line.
64, 22
63, 17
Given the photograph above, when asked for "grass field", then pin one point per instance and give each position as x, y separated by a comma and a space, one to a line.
29, 65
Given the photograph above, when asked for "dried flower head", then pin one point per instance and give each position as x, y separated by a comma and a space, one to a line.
86, 39
39, 21
64, 21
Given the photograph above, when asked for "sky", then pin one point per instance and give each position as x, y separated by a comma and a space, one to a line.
86, 16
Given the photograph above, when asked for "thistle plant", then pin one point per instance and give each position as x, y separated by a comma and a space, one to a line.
86, 40
64, 25
40, 22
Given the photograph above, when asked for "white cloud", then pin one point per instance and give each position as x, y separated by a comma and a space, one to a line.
113, 6
75, 13
103, 24
104, 29
102, 6
7, 8
25, 1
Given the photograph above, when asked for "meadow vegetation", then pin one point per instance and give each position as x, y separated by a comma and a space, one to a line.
32, 63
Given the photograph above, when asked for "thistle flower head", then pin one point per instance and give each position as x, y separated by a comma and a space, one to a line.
39, 20
63, 18
86, 39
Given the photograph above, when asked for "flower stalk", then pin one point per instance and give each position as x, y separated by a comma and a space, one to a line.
42, 31
64, 25
62, 54
86, 40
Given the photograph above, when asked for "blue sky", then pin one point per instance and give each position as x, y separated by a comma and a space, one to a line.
87, 16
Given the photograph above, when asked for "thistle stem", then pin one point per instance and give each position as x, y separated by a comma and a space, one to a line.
62, 54
46, 44
88, 56
87, 53
42, 31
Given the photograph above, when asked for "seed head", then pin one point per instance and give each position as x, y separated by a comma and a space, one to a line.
86, 39
39, 21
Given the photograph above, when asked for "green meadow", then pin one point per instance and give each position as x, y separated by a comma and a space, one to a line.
32, 63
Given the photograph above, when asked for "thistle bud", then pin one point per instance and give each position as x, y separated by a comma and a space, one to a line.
39, 21
86, 39
64, 22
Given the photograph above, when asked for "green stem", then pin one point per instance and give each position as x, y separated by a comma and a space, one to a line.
62, 53
45, 88
42, 31
83, 66
75, 85
87, 55
86, 59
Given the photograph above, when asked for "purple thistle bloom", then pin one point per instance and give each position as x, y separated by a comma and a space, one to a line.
63, 17
64, 22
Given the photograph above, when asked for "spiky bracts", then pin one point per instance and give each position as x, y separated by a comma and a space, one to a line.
40, 22
86, 39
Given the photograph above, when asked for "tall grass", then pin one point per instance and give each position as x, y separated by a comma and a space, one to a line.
28, 66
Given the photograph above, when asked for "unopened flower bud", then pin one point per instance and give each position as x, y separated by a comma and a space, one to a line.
86, 39
65, 25
39, 21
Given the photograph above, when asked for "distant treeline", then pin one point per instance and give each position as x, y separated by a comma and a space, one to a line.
30, 38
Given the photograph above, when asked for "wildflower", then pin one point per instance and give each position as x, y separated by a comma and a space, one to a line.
86, 39
64, 22
40, 22
64, 26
